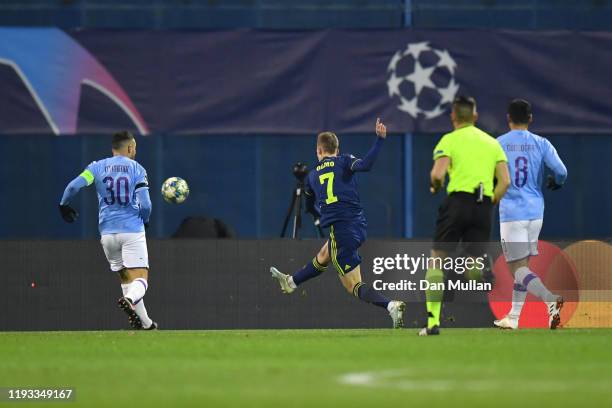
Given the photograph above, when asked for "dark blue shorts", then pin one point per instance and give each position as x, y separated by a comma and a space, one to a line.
345, 238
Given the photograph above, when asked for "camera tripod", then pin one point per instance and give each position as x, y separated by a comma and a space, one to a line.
295, 211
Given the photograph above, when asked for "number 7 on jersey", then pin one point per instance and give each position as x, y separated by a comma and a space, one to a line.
331, 198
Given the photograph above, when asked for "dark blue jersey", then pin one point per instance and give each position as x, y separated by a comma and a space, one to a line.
334, 186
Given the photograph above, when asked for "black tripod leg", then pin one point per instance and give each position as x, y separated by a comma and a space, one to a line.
297, 216
289, 211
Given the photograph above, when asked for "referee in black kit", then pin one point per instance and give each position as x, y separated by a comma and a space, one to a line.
472, 159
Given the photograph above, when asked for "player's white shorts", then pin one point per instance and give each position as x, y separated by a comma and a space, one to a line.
125, 250
519, 239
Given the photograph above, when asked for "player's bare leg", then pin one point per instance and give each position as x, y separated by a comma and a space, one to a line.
134, 284
314, 268
434, 294
353, 284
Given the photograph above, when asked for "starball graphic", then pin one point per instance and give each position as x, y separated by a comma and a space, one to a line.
422, 79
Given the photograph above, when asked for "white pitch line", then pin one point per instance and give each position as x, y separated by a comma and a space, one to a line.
408, 380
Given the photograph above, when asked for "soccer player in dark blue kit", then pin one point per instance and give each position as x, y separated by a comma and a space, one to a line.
333, 186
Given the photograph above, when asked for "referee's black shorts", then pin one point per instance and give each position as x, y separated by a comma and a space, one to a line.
462, 219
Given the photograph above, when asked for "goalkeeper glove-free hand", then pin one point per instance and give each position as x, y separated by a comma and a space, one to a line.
551, 184
69, 214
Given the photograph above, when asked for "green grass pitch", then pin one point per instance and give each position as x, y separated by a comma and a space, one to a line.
310, 368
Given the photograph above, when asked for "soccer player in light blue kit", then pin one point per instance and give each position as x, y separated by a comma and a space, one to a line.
125, 207
521, 211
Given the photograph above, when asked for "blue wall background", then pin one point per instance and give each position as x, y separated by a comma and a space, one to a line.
246, 180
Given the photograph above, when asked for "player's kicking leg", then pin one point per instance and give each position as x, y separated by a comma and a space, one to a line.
350, 280
344, 243
318, 265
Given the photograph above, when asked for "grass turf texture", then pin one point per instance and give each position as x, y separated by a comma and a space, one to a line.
288, 368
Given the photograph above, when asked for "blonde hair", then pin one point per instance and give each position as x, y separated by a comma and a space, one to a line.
328, 141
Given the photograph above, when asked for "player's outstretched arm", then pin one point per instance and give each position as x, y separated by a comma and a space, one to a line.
144, 204
366, 163
68, 213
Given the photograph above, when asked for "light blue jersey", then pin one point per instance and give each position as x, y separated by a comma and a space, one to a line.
527, 155
117, 180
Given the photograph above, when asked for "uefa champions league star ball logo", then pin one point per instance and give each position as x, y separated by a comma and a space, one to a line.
422, 79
